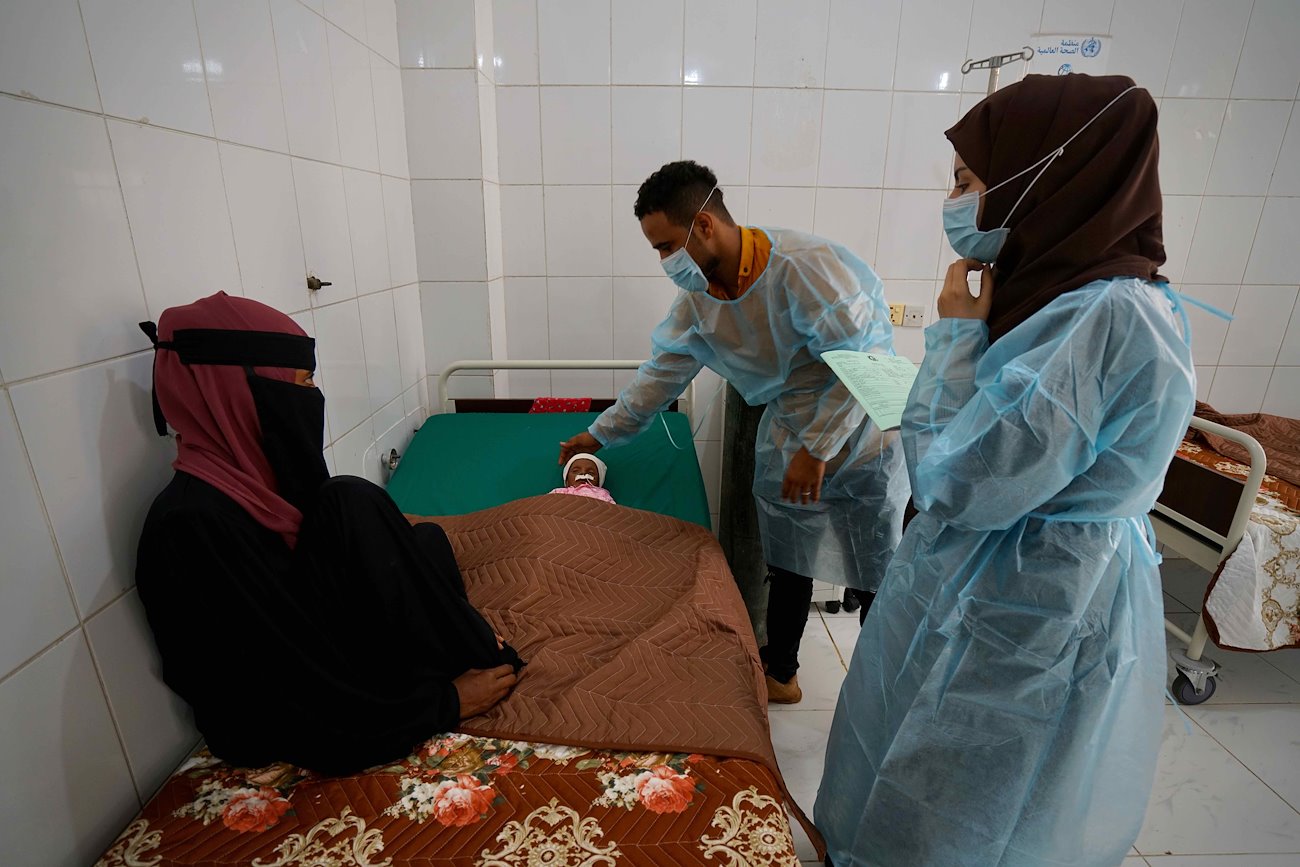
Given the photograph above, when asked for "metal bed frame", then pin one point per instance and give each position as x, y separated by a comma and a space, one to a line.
1207, 548
686, 403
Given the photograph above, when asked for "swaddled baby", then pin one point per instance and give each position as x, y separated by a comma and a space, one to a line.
584, 476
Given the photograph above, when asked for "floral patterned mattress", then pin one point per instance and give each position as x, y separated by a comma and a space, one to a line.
1253, 603
465, 800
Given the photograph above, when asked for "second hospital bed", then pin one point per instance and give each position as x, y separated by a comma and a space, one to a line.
1242, 527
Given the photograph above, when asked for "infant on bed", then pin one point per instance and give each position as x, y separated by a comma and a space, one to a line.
584, 476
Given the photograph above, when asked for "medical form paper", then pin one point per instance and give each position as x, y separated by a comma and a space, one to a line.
881, 383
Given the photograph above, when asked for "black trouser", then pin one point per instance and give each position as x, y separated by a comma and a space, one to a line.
788, 599
865, 598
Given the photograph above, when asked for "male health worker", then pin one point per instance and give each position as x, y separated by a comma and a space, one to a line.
760, 307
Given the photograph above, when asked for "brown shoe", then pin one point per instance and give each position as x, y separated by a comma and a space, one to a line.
783, 693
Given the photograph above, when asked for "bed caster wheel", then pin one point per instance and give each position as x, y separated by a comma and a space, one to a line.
1185, 693
833, 607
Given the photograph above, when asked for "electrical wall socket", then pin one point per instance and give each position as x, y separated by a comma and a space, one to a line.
914, 316
896, 313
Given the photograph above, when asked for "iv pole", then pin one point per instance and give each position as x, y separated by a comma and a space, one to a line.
995, 63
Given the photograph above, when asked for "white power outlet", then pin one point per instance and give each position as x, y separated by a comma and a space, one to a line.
914, 316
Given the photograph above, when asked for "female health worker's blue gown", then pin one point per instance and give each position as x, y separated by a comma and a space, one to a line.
1005, 699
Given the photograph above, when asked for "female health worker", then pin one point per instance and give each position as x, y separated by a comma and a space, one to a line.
1004, 702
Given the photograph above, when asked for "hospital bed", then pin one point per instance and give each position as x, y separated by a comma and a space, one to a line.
476, 798
1203, 514
514, 452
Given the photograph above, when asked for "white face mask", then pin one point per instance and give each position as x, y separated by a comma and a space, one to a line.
680, 267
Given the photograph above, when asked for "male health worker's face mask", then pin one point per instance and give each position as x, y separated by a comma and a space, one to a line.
680, 267
961, 214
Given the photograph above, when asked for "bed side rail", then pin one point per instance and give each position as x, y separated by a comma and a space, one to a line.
687, 398
1227, 542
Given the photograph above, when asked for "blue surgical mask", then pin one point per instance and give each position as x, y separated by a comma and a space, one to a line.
960, 217
680, 267
961, 214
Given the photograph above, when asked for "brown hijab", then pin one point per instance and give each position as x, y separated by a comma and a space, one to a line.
1096, 211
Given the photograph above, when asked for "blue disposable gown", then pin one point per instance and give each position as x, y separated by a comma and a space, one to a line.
814, 296
1004, 702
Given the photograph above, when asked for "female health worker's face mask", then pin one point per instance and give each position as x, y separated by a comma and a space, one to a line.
961, 214
680, 267
961, 218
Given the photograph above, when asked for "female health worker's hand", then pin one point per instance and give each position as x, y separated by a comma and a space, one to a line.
955, 300
583, 443
803, 479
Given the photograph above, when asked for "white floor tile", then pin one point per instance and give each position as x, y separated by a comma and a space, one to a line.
1265, 738
803, 847
1244, 678
799, 737
800, 740
1286, 661
1135, 861
1206, 802
820, 669
1185, 581
844, 631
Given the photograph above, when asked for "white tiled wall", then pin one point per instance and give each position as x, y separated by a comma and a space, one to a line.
828, 116
448, 80
152, 152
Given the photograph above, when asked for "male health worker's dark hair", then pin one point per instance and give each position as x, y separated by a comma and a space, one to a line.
678, 189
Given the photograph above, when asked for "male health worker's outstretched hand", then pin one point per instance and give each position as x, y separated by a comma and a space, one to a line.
583, 443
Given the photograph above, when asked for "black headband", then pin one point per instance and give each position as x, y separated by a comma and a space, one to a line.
234, 348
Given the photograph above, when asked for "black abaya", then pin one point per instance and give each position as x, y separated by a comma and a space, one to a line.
334, 656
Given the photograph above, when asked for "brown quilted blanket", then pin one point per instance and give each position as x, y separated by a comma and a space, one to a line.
635, 633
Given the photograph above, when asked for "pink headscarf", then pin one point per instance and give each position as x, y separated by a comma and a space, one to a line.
211, 409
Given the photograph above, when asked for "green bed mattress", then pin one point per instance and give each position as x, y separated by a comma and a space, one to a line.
464, 462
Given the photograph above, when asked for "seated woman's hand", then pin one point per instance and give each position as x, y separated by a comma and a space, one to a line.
481, 689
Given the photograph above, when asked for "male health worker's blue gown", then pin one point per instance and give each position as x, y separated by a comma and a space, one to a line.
1005, 699
814, 296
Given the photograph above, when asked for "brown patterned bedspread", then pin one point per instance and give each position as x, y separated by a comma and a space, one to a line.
1200, 453
635, 633
464, 800
642, 666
